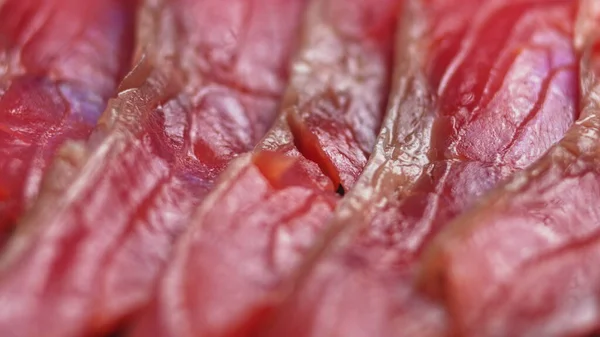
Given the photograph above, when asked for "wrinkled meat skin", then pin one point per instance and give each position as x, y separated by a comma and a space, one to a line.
206, 88
438, 150
60, 61
230, 268
523, 262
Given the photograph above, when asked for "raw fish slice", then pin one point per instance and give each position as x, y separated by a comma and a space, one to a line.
230, 267
60, 62
523, 263
482, 88
207, 87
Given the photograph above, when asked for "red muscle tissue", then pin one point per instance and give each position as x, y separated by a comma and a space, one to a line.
523, 263
462, 115
269, 207
60, 61
86, 256
288, 168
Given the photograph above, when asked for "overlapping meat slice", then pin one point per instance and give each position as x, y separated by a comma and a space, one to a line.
60, 61
230, 268
207, 87
482, 88
524, 262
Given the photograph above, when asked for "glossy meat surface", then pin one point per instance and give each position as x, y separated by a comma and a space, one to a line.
60, 61
230, 268
523, 263
496, 88
206, 88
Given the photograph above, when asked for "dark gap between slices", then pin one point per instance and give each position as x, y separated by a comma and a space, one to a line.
340, 190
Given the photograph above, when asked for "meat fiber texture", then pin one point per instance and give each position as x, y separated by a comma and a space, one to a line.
524, 262
206, 88
60, 61
230, 268
481, 89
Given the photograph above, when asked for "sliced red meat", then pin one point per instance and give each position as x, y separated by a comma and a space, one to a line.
230, 267
523, 263
482, 88
60, 61
207, 87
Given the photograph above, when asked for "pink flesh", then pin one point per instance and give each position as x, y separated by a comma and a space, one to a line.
60, 61
497, 89
230, 268
86, 257
521, 263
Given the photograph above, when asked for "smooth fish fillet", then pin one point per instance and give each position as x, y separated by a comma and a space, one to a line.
60, 62
523, 263
481, 89
230, 268
206, 88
